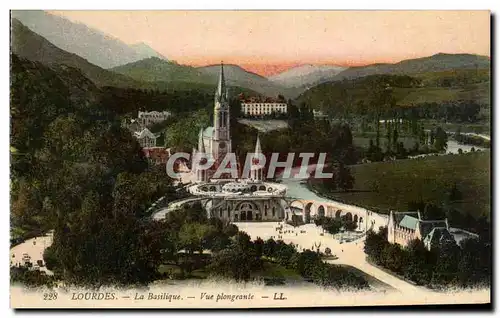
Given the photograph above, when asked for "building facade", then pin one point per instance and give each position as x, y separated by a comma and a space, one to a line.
259, 107
225, 197
318, 114
146, 119
404, 227
146, 138
215, 142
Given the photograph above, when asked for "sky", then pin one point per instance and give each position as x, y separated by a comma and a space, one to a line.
268, 42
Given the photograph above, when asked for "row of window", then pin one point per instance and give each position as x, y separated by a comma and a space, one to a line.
153, 115
229, 212
263, 110
259, 112
264, 104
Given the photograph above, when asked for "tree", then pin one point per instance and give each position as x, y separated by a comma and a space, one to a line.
393, 257
389, 138
258, 246
474, 266
304, 263
193, 236
122, 251
381, 99
374, 245
345, 180
440, 139
242, 241
269, 248
419, 265
395, 136
231, 230
433, 212
446, 268
458, 133
454, 193
237, 264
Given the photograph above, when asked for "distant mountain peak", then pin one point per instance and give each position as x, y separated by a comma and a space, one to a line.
144, 49
92, 44
306, 74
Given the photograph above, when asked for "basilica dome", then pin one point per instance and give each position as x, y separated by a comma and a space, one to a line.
234, 187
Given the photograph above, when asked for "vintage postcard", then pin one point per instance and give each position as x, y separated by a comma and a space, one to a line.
250, 159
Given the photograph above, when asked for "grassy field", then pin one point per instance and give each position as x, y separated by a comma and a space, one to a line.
479, 92
265, 125
328, 94
464, 128
270, 270
391, 185
275, 270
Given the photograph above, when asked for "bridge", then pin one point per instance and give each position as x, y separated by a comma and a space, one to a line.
311, 209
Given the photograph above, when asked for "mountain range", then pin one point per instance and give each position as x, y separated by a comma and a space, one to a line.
93, 45
237, 76
306, 75
435, 63
156, 72
28, 44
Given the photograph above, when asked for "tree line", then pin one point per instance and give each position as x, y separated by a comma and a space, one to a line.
246, 256
447, 265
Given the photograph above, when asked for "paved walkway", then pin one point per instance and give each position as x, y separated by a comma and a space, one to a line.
348, 253
34, 248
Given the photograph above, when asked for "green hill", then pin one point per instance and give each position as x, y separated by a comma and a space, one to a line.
237, 76
158, 70
391, 185
434, 63
27, 44
407, 90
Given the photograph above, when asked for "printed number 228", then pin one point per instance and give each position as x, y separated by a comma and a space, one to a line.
50, 296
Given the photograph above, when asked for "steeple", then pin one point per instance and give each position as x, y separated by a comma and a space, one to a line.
201, 146
258, 149
221, 92
257, 172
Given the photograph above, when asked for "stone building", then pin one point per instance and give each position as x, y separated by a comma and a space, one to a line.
266, 106
146, 138
228, 198
406, 226
147, 119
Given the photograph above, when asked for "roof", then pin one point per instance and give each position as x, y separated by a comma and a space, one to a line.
399, 216
409, 222
208, 132
258, 148
145, 133
155, 152
437, 236
427, 226
459, 234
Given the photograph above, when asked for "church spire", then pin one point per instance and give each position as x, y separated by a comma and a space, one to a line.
201, 146
258, 148
221, 92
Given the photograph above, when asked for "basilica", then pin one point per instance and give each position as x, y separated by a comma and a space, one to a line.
226, 197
